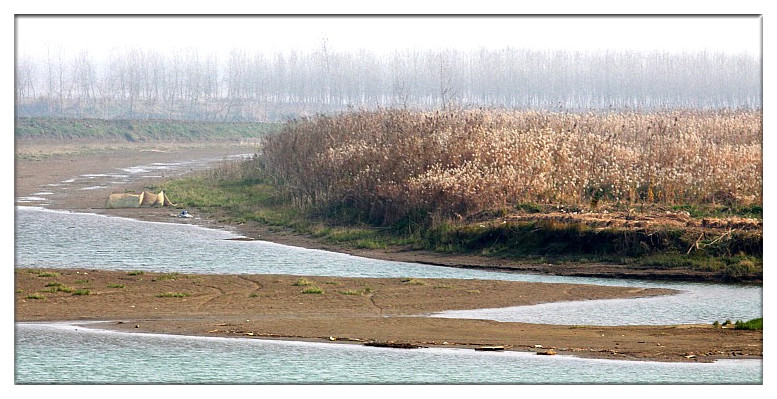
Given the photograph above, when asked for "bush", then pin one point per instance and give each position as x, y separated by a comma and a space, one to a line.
753, 324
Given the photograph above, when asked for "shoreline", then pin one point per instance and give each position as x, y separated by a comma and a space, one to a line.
285, 236
602, 342
35, 173
360, 310
104, 327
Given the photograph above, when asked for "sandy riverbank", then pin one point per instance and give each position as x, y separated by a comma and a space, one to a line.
358, 310
273, 307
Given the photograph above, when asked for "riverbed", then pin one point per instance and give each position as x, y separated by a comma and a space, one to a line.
63, 353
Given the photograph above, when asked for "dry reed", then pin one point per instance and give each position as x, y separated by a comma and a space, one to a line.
391, 163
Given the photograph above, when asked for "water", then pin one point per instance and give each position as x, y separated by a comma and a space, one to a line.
57, 239
146, 358
59, 353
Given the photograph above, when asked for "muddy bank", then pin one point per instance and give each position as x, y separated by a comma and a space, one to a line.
358, 311
346, 311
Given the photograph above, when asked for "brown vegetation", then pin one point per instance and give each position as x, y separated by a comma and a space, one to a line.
393, 164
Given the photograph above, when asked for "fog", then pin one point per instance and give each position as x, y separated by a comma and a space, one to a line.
274, 68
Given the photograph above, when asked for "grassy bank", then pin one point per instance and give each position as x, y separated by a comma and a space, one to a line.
135, 130
240, 192
671, 190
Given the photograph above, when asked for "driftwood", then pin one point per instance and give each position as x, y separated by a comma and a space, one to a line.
392, 344
490, 348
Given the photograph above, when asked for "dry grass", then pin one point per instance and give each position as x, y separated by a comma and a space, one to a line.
392, 163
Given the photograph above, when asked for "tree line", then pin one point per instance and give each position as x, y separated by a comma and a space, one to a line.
255, 86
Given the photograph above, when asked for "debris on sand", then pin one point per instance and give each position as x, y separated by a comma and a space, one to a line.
392, 344
490, 348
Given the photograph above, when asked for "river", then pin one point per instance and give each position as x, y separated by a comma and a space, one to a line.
63, 353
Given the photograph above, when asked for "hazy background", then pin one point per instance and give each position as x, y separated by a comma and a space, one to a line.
255, 68
383, 34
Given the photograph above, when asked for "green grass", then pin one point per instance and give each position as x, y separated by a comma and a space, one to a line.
351, 292
312, 290
302, 282
137, 130
85, 281
82, 292
413, 281
366, 291
136, 273
721, 211
60, 288
166, 277
36, 296
111, 285
173, 295
48, 274
753, 324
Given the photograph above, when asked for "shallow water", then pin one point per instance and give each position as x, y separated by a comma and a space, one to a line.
57, 239
75, 354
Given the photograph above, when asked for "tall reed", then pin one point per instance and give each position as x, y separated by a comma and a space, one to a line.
393, 163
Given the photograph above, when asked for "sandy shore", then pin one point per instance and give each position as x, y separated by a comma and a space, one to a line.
261, 306
357, 311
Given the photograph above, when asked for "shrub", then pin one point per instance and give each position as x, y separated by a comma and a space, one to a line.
753, 324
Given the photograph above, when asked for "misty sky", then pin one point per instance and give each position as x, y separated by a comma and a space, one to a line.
35, 35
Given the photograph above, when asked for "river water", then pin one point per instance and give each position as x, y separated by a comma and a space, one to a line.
61, 353
74, 354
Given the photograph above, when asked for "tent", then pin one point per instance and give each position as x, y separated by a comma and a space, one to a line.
144, 199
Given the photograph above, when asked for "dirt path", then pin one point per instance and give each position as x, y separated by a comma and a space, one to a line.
272, 307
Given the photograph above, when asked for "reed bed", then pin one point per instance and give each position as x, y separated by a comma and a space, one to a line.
393, 164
